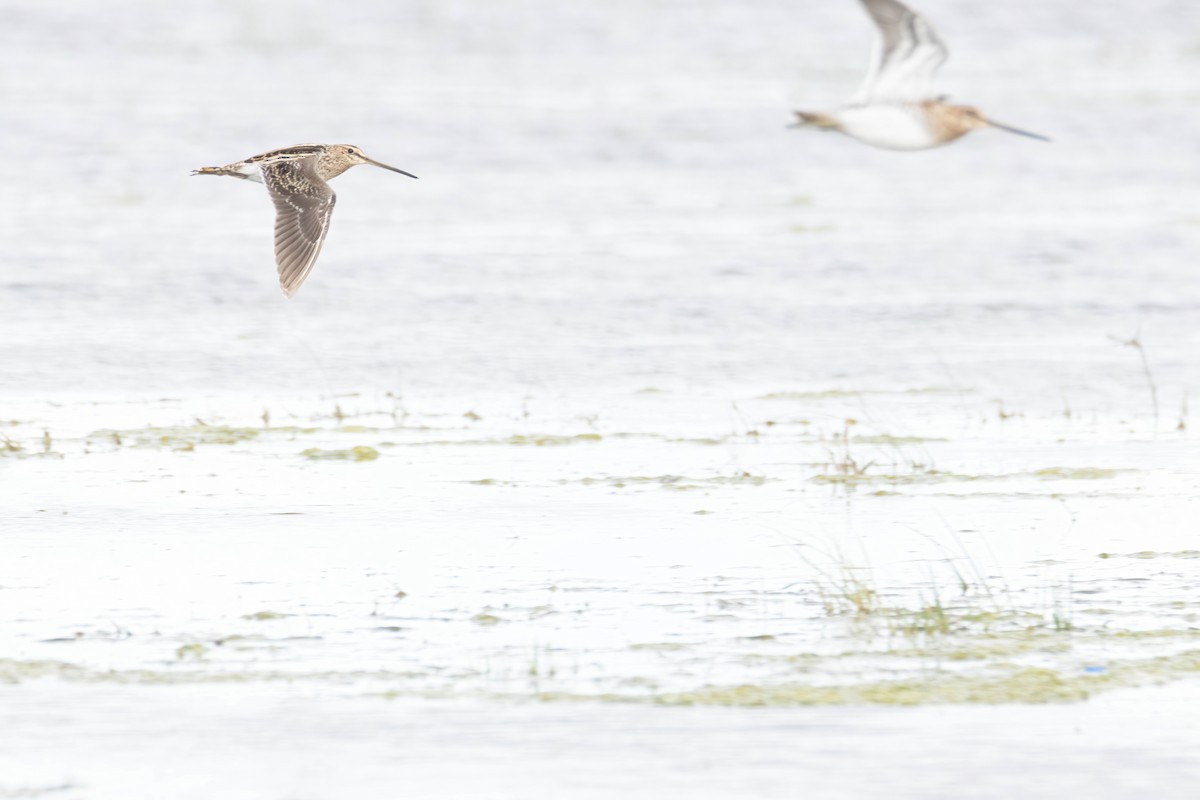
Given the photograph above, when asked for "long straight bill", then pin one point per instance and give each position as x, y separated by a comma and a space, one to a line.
393, 169
1018, 131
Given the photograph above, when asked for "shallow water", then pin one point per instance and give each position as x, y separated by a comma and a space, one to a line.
297, 742
637, 404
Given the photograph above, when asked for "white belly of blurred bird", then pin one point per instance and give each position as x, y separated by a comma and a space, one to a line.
891, 126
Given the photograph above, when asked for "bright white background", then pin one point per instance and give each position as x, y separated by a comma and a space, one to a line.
605, 348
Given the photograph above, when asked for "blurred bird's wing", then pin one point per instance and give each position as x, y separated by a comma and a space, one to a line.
303, 205
906, 59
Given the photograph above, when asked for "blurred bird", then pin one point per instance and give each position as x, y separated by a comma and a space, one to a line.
895, 108
296, 179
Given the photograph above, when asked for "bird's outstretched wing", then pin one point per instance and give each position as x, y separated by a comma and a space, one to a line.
905, 61
303, 205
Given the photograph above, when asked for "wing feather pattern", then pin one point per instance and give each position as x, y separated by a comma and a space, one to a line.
303, 206
909, 54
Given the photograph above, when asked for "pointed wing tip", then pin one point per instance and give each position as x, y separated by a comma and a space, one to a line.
288, 289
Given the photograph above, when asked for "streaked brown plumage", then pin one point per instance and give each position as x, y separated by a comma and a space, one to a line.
297, 179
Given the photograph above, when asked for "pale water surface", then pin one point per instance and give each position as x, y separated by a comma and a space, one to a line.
642, 447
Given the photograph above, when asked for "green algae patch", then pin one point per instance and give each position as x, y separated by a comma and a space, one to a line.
864, 477
842, 394
1030, 685
828, 394
13, 671
295, 430
1149, 554
675, 482
15, 450
186, 438
360, 453
190, 670
204, 434
264, 616
917, 477
989, 647
1001, 684
194, 651
1158, 635
179, 437
516, 440
1076, 473
659, 647
893, 441
1005, 685
540, 440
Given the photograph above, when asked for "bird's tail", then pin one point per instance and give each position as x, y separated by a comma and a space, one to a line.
807, 119
218, 171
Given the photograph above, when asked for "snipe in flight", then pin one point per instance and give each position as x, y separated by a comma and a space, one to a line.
895, 107
296, 178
